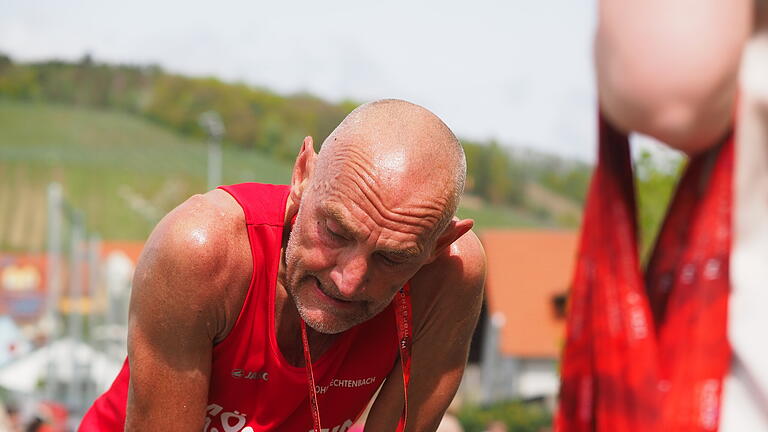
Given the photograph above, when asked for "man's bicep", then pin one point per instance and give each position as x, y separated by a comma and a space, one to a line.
170, 333
163, 381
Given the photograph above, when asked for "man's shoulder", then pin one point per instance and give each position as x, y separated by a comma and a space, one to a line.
453, 282
197, 258
205, 236
446, 295
261, 203
462, 266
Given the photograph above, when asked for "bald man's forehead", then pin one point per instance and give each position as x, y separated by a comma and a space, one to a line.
394, 151
393, 173
386, 215
401, 152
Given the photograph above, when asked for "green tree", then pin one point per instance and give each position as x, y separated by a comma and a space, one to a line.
655, 183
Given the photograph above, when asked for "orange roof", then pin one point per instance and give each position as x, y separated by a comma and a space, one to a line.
526, 270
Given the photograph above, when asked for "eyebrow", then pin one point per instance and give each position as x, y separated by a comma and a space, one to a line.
406, 254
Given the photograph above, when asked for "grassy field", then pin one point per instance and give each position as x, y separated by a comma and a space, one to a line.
123, 172
499, 217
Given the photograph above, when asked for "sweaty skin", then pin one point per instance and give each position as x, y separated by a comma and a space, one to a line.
372, 210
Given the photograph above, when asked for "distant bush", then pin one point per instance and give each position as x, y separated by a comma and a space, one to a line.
518, 416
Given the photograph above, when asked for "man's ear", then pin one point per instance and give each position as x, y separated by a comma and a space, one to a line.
455, 229
302, 172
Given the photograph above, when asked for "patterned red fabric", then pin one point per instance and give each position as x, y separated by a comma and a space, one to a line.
649, 353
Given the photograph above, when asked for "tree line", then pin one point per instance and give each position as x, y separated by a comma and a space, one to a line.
260, 119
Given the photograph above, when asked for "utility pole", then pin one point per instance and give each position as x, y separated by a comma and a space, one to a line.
75, 313
95, 277
51, 321
490, 360
211, 122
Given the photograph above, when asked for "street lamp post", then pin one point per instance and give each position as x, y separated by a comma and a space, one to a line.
211, 122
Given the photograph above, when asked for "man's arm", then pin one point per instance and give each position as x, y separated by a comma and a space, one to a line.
446, 299
178, 310
669, 68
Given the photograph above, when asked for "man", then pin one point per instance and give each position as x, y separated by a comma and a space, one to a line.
676, 349
228, 279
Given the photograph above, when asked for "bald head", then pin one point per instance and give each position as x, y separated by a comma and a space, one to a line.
401, 150
367, 212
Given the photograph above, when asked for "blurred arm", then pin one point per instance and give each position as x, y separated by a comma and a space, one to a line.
669, 68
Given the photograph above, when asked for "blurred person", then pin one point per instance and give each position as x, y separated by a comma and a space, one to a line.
678, 348
9, 417
238, 290
49, 417
496, 426
35, 425
450, 421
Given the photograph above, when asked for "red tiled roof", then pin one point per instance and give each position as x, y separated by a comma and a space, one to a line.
526, 270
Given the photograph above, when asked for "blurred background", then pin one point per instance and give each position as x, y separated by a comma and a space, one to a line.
112, 114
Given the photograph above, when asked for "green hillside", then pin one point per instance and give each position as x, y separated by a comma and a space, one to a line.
124, 172
258, 118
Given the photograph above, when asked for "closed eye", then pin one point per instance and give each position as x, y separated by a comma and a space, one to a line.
335, 234
389, 260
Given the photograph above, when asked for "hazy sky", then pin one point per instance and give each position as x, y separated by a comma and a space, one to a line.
516, 70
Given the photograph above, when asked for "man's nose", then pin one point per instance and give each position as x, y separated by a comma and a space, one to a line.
350, 273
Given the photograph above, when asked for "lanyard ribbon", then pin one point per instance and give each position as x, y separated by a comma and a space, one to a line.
403, 319
649, 352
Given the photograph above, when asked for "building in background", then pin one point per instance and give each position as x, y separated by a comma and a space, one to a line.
519, 337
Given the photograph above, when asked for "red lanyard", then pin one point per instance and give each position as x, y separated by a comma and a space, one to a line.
403, 319
649, 353
310, 379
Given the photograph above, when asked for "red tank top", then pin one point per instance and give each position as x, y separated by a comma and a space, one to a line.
253, 388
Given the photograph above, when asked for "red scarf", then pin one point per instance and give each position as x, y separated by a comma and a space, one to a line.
649, 353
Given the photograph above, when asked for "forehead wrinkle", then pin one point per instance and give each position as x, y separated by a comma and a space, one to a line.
345, 195
346, 155
335, 211
383, 244
388, 216
350, 162
431, 209
351, 168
